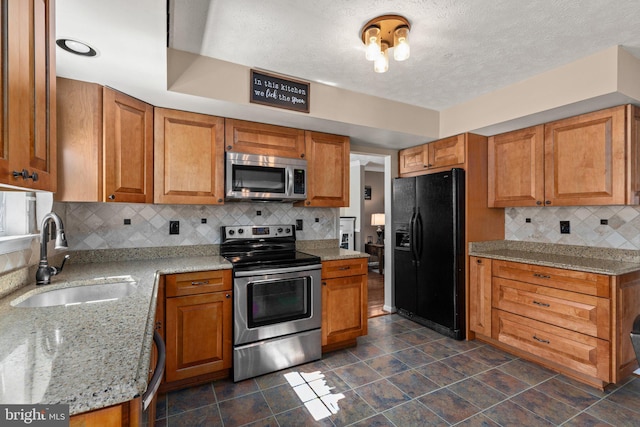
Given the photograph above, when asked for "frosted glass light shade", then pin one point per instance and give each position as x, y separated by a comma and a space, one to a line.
401, 50
372, 35
381, 63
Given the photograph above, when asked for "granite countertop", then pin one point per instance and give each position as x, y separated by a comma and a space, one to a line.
608, 261
332, 254
89, 355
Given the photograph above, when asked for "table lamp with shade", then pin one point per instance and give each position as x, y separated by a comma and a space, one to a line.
377, 219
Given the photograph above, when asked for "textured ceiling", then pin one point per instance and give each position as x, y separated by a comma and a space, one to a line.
459, 49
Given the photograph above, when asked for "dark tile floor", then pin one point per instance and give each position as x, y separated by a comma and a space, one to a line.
403, 375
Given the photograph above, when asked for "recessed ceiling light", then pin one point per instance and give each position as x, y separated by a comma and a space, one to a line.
76, 47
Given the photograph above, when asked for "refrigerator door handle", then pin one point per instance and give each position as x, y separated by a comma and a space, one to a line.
419, 230
412, 241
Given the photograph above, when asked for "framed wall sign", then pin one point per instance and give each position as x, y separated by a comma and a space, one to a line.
367, 192
278, 91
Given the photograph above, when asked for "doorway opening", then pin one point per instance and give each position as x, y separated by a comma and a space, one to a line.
370, 206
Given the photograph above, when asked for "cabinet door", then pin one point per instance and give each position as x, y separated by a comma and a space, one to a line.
263, 139
128, 148
28, 129
344, 309
79, 139
189, 158
585, 159
198, 329
448, 152
480, 295
327, 170
516, 168
414, 159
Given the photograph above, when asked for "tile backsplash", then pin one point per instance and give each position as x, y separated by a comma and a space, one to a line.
102, 225
622, 230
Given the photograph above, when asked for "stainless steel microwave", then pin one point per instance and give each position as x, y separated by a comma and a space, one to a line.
256, 177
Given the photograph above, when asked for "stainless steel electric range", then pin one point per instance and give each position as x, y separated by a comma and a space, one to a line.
276, 299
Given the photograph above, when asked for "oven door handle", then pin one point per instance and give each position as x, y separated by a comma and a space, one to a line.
277, 270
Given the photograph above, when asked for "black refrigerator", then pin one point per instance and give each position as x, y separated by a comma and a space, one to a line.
429, 267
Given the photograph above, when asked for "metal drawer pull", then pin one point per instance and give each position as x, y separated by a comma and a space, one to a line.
541, 304
344, 268
541, 340
204, 282
541, 276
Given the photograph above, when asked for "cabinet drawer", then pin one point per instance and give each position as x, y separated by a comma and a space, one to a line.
345, 267
579, 352
569, 280
578, 312
198, 282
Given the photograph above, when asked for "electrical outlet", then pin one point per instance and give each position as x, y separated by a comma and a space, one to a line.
203, 220
258, 213
317, 219
604, 222
127, 221
527, 220
565, 227
174, 227
298, 225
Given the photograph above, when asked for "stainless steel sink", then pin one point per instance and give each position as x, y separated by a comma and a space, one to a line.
90, 291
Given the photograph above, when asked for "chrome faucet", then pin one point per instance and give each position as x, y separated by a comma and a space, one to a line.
44, 273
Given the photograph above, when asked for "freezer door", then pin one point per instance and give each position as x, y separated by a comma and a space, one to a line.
404, 276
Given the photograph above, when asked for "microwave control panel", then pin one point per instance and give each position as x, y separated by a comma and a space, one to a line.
298, 181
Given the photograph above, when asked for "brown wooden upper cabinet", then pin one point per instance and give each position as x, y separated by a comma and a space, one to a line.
268, 140
189, 158
444, 153
585, 160
28, 93
106, 141
327, 170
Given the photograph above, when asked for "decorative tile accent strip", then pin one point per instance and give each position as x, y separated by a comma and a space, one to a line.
622, 230
101, 225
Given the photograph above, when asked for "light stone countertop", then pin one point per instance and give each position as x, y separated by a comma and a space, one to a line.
89, 355
332, 254
95, 355
607, 261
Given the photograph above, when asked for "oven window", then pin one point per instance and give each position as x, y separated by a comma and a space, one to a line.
258, 179
278, 301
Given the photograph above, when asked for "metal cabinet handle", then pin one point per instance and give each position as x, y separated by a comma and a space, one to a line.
479, 261
541, 276
541, 340
538, 202
547, 202
24, 174
112, 196
324, 283
344, 268
227, 296
204, 282
229, 147
541, 304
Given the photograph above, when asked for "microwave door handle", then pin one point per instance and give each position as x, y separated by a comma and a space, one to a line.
289, 181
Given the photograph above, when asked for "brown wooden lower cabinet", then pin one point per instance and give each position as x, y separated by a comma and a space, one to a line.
344, 302
122, 415
573, 322
197, 327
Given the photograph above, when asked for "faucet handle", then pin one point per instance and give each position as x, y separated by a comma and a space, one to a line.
57, 270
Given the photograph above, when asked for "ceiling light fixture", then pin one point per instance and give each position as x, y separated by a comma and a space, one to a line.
382, 33
76, 47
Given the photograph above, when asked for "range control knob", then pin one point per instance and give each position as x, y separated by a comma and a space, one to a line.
240, 231
231, 232
279, 229
287, 230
